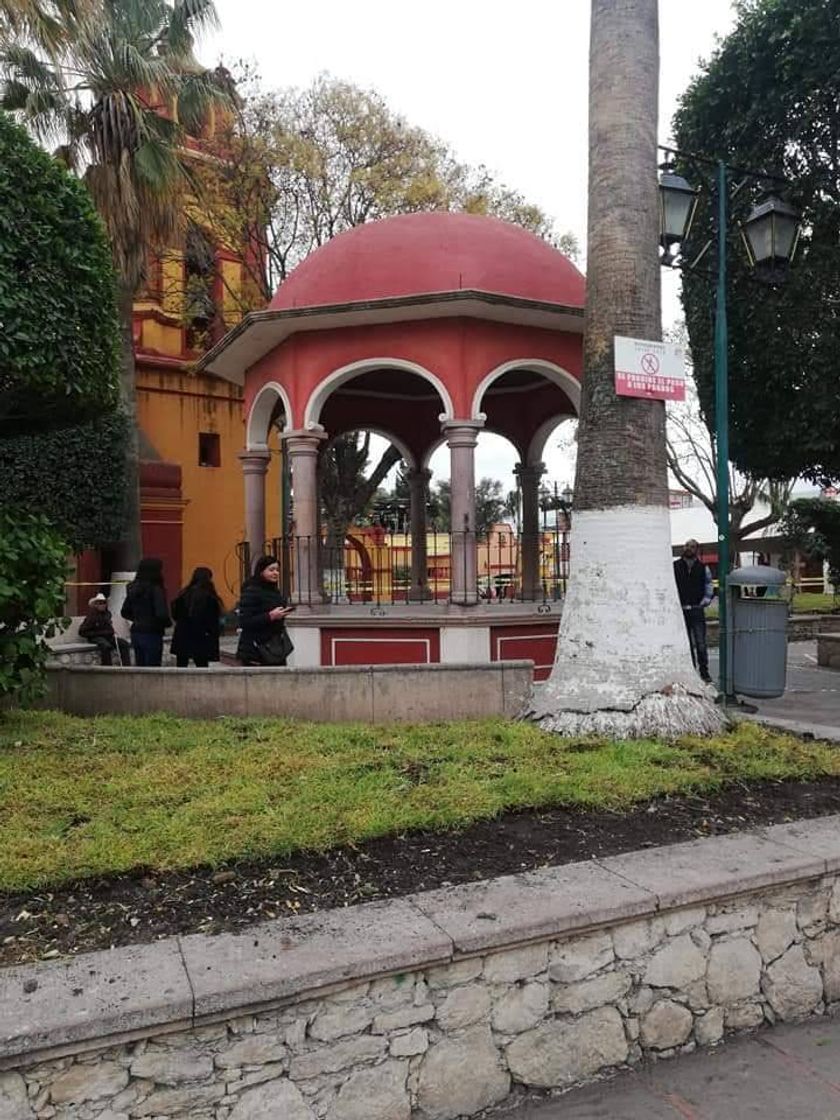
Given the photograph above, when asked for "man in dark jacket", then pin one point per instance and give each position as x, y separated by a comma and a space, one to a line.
696, 591
98, 628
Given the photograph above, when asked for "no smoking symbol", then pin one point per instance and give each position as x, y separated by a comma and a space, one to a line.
650, 364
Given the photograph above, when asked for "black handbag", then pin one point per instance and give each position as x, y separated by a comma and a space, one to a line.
276, 649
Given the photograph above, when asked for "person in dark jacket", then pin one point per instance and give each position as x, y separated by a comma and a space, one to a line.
146, 609
696, 590
262, 613
98, 628
196, 611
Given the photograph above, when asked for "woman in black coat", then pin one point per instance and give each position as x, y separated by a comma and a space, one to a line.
146, 609
262, 613
197, 611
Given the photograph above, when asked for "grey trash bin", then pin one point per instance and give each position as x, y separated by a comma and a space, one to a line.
758, 630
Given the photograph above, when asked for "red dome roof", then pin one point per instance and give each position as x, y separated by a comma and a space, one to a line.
415, 254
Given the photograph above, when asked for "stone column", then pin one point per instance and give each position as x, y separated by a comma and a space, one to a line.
529, 483
254, 467
461, 437
418, 483
302, 449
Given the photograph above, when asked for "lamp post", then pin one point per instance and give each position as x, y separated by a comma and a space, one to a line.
770, 234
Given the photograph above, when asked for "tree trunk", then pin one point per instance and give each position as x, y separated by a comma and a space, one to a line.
129, 549
623, 666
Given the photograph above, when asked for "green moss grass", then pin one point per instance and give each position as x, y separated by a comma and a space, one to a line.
82, 797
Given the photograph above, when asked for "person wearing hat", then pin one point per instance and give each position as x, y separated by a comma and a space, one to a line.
98, 628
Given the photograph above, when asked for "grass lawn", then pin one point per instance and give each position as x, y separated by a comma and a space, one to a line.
83, 797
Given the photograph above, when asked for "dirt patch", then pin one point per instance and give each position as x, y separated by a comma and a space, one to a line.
145, 906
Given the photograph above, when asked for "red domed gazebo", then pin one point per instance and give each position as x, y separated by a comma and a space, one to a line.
425, 328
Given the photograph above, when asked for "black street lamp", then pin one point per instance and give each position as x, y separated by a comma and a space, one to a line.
770, 234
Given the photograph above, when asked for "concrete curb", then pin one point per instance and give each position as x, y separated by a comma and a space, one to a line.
798, 727
99, 999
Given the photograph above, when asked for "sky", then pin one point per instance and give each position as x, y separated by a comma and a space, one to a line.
504, 84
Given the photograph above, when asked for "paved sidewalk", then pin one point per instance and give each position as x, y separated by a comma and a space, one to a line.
785, 1073
811, 702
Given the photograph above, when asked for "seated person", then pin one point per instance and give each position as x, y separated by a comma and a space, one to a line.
99, 629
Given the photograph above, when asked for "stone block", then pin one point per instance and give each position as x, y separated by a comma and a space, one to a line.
535, 905
187, 1101
172, 1067
516, 964
734, 972
682, 874
676, 964
587, 994
708, 1028
272, 1101
460, 1076
831, 966
459, 972
92, 996
561, 1052
462, 1007
521, 1008
341, 1055
665, 1025
14, 1100
278, 959
634, 939
579, 958
727, 921
744, 1017
451, 692
339, 1022
793, 988
403, 1017
374, 1094
775, 932
407, 1045
834, 903
254, 1050
812, 909
689, 917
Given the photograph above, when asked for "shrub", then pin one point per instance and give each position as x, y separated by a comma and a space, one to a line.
33, 568
75, 476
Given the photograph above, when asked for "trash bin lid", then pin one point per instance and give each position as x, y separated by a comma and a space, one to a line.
756, 575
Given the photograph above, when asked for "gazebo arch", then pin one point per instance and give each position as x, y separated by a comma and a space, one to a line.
552, 372
540, 437
316, 402
408, 456
260, 415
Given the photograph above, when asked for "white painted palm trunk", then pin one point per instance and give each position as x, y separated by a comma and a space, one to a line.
623, 665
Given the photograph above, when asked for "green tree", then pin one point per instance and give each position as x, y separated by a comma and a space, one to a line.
812, 526
117, 83
768, 100
59, 339
298, 166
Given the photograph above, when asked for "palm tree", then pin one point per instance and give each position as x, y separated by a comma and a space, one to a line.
622, 664
115, 83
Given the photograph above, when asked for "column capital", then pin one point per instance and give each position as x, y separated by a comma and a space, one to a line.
304, 441
529, 472
254, 462
462, 433
418, 475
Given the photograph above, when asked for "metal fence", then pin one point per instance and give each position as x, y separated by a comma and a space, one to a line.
376, 567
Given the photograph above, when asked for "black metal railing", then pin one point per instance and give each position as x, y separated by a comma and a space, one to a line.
380, 568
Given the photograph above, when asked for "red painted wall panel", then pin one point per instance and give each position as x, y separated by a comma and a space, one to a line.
380, 645
537, 643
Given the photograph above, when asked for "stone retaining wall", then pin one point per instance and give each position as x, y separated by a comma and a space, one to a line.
437, 1006
373, 694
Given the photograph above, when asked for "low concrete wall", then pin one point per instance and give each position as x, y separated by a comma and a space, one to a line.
436, 1006
373, 694
828, 651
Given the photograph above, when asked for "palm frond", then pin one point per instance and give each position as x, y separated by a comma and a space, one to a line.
188, 19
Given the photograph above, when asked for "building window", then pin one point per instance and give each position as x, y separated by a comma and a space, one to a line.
209, 449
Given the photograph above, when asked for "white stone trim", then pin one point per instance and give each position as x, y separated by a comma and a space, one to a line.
549, 370
259, 415
328, 385
464, 643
